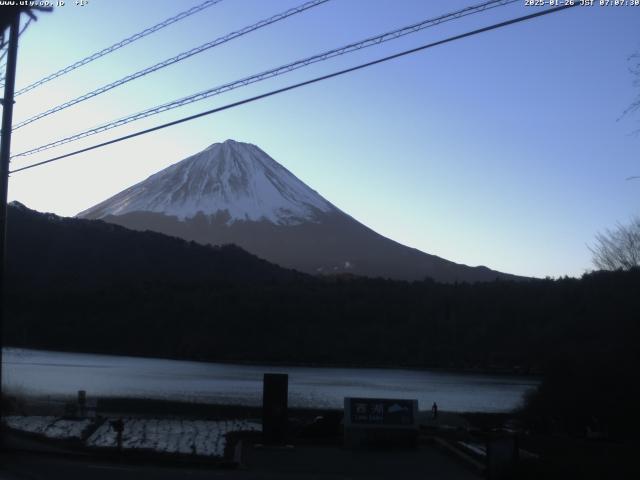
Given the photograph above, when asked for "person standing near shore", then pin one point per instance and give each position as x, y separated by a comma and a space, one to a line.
434, 410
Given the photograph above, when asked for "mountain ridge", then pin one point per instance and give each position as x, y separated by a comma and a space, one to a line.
233, 192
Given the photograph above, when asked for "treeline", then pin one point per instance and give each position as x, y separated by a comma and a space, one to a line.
82, 285
363, 322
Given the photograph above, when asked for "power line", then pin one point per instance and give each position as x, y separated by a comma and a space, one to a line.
26, 25
174, 59
302, 84
371, 41
120, 44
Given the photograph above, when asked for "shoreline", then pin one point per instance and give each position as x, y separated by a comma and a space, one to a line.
38, 405
534, 374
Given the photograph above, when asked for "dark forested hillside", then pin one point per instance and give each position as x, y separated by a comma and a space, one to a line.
90, 286
66, 254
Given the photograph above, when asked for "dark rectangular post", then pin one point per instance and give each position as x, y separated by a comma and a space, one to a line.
82, 403
275, 393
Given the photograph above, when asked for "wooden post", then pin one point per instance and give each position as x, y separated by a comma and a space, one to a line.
5, 153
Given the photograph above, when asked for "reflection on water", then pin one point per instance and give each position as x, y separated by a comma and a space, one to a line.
36, 372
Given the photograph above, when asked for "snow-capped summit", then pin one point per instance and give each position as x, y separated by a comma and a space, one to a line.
234, 178
233, 192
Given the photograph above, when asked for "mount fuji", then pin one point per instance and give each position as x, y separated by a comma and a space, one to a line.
234, 192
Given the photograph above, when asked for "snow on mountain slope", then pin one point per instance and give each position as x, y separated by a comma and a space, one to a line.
233, 192
233, 177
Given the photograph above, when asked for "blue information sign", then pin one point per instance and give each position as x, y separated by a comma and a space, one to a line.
381, 411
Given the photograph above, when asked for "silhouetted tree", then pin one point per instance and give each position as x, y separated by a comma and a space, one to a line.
618, 248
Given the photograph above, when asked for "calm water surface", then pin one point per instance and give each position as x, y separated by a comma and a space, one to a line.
37, 372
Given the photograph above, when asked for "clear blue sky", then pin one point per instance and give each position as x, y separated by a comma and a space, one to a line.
504, 149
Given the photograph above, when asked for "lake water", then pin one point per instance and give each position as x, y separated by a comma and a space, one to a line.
36, 372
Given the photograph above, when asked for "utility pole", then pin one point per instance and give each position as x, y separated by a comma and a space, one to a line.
5, 152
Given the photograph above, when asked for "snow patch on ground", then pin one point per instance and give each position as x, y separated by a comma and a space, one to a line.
476, 448
205, 438
50, 427
68, 429
30, 424
188, 437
